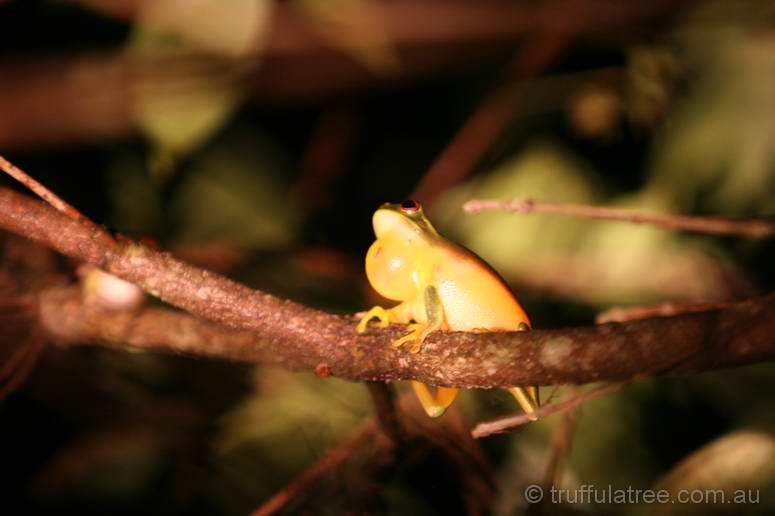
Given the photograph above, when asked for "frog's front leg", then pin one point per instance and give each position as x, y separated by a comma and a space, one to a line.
434, 319
384, 316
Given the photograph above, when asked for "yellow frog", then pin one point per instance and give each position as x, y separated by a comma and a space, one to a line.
441, 286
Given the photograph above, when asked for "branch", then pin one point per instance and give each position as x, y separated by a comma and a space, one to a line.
631, 313
560, 446
40, 190
488, 120
296, 337
333, 459
750, 228
501, 425
449, 436
385, 409
541, 356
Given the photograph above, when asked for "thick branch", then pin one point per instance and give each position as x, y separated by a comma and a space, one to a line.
286, 333
607, 352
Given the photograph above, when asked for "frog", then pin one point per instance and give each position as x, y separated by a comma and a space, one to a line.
440, 285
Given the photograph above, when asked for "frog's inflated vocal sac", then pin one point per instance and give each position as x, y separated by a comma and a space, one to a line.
441, 286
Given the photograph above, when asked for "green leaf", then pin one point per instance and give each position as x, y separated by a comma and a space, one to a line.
191, 60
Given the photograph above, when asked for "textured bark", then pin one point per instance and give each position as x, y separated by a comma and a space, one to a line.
267, 329
740, 334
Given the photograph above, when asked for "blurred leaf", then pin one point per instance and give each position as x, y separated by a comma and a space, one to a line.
181, 98
290, 406
230, 28
232, 193
179, 111
721, 139
741, 460
678, 268
290, 422
651, 74
358, 27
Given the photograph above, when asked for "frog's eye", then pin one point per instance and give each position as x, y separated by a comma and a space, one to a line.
410, 206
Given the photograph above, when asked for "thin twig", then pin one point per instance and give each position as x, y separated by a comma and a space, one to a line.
501, 425
12, 364
53, 199
40, 190
621, 314
332, 460
560, 446
385, 410
449, 435
482, 127
23, 363
750, 228
325, 158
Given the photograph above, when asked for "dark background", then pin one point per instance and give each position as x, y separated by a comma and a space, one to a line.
324, 112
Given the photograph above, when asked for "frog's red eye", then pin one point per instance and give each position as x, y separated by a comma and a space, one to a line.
410, 206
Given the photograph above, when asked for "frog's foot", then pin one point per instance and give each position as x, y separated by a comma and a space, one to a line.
434, 405
417, 335
381, 314
527, 398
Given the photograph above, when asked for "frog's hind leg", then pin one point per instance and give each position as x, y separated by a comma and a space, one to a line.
528, 399
434, 406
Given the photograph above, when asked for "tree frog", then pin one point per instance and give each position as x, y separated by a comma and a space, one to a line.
441, 286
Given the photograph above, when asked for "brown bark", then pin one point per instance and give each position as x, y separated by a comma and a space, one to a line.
272, 330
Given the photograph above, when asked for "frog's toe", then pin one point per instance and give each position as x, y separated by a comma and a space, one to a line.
436, 411
380, 314
415, 334
418, 344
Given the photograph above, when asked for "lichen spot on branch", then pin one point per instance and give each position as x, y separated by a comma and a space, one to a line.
557, 352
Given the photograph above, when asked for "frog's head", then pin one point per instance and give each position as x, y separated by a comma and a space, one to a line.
396, 261
406, 218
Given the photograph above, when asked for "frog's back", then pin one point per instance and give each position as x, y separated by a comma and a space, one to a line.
473, 294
